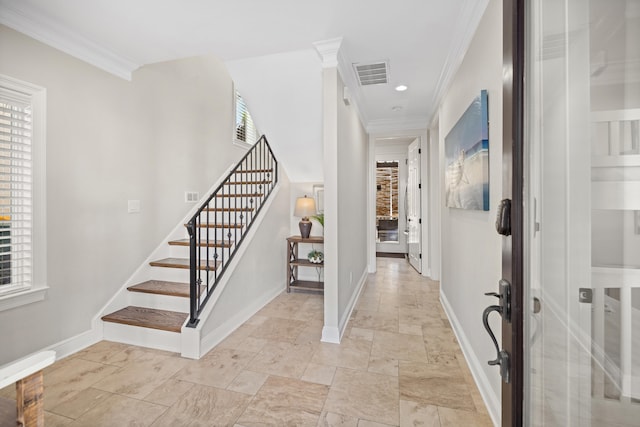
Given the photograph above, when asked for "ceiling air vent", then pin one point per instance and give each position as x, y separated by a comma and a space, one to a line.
372, 74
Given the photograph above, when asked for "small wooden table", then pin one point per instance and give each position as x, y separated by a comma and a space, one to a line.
294, 262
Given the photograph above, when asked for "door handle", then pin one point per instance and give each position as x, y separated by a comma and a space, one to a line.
504, 309
502, 357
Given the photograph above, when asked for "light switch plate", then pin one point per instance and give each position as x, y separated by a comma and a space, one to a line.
191, 196
133, 206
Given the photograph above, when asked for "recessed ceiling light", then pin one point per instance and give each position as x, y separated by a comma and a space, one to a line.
396, 108
401, 88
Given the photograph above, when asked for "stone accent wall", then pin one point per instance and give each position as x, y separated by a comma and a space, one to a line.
387, 190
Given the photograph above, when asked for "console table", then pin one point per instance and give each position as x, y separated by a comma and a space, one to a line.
294, 262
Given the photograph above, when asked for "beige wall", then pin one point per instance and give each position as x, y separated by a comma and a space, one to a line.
108, 141
471, 248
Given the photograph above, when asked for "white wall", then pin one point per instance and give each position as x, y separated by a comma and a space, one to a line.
108, 141
284, 94
190, 126
471, 248
261, 274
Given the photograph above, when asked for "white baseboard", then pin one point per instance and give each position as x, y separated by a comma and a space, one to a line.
352, 303
216, 336
330, 334
333, 334
491, 400
76, 343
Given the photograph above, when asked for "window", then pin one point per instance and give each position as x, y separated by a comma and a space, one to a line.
245, 132
22, 230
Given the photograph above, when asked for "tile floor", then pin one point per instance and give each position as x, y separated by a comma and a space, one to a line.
398, 365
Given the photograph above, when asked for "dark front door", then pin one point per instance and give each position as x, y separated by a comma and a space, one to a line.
510, 218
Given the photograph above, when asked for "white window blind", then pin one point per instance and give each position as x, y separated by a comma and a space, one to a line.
16, 190
245, 129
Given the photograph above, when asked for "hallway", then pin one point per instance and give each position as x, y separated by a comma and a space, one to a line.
398, 364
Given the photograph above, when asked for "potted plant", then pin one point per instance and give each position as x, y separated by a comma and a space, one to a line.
315, 257
320, 219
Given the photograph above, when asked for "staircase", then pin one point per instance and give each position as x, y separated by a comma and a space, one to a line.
182, 282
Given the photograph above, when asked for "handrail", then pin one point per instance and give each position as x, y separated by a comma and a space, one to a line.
214, 230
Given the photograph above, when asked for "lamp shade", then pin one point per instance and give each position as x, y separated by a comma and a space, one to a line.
305, 207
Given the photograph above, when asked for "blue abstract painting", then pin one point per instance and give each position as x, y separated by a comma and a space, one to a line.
467, 158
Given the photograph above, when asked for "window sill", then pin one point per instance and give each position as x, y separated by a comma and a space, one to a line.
242, 144
13, 300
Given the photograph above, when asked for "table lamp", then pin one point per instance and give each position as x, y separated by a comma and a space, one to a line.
305, 207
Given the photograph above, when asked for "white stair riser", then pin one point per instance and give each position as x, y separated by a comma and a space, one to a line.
144, 337
220, 233
175, 274
183, 252
170, 274
161, 302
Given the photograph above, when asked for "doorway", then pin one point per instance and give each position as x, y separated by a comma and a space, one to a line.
391, 168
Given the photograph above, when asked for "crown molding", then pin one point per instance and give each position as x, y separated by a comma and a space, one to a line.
471, 12
328, 51
31, 22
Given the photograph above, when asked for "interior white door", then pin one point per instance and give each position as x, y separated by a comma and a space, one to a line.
583, 290
414, 227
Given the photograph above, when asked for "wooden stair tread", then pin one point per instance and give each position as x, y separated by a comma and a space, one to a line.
183, 263
212, 244
217, 225
163, 320
160, 287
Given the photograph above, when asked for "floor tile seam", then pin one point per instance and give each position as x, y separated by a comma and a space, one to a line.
112, 394
397, 378
255, 396
58, 415
91, 384
339, 412
102, 363
140, 399
420, 404
461, 410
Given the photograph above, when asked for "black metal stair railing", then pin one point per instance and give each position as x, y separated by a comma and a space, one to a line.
218, 227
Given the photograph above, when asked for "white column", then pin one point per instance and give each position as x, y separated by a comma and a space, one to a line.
328, 51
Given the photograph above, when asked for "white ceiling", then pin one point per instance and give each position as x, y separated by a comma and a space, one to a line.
423, 40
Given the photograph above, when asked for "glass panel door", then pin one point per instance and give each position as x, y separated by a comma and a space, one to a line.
583, 217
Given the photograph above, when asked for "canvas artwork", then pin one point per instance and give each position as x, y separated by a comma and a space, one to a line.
467, 158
